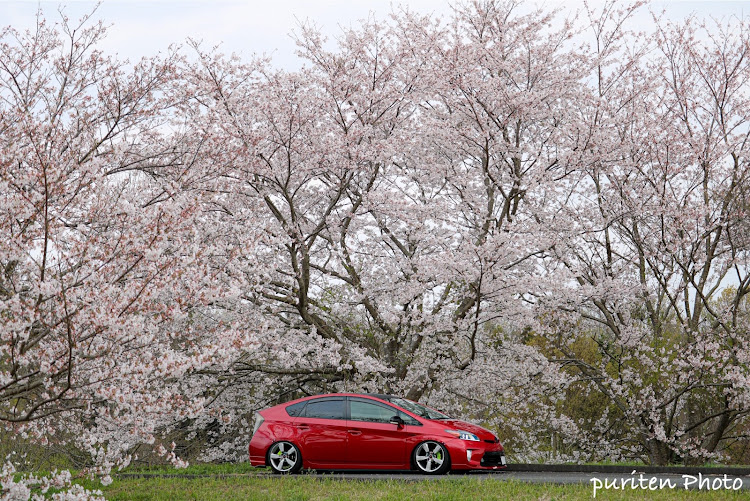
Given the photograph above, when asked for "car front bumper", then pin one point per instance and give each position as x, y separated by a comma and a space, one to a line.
468, 455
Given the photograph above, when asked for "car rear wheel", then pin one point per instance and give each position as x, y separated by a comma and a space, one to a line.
284, 457
431, 458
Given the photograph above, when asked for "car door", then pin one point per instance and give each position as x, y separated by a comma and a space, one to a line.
322, 432
374, 442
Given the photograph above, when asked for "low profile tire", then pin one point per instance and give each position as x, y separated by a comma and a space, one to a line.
431, 458
284, 458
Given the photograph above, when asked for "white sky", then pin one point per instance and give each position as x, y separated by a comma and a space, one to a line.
145, 27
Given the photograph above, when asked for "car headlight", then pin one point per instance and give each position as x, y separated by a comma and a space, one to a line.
463, 435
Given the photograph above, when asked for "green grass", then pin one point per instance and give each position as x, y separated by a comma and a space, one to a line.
242, 481
199, 469
305, 487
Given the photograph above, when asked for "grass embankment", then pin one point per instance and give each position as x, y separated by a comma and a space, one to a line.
304, 487
242, 482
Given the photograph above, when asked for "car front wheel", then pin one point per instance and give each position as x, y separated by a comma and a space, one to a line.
284, 457
431, 458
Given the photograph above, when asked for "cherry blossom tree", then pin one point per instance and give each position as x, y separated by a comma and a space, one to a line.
406, 207
108, 270
661, 264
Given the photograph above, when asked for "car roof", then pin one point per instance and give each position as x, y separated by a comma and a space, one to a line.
381, 396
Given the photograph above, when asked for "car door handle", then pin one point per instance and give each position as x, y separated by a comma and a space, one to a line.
355, 432
303, 426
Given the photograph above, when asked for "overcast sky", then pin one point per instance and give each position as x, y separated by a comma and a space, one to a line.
144, 27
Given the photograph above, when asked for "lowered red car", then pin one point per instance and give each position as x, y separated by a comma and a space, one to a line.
368, 431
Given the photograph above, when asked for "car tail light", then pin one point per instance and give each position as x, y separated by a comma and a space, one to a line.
258, 421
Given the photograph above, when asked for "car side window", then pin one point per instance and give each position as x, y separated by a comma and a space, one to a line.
325, 409
408, 419
373, 412
296, 409
360, 410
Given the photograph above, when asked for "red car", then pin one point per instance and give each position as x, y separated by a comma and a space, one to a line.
370, 431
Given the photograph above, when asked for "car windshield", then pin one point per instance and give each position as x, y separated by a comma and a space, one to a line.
418, 409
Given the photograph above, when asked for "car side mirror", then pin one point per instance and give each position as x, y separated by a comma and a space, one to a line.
397, 421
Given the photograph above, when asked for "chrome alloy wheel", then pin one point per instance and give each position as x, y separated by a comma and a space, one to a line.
284, 458
431, 458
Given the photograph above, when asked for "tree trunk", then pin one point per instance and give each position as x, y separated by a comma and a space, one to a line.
659, 453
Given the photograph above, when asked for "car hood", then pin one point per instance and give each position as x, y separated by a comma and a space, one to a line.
457, 424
